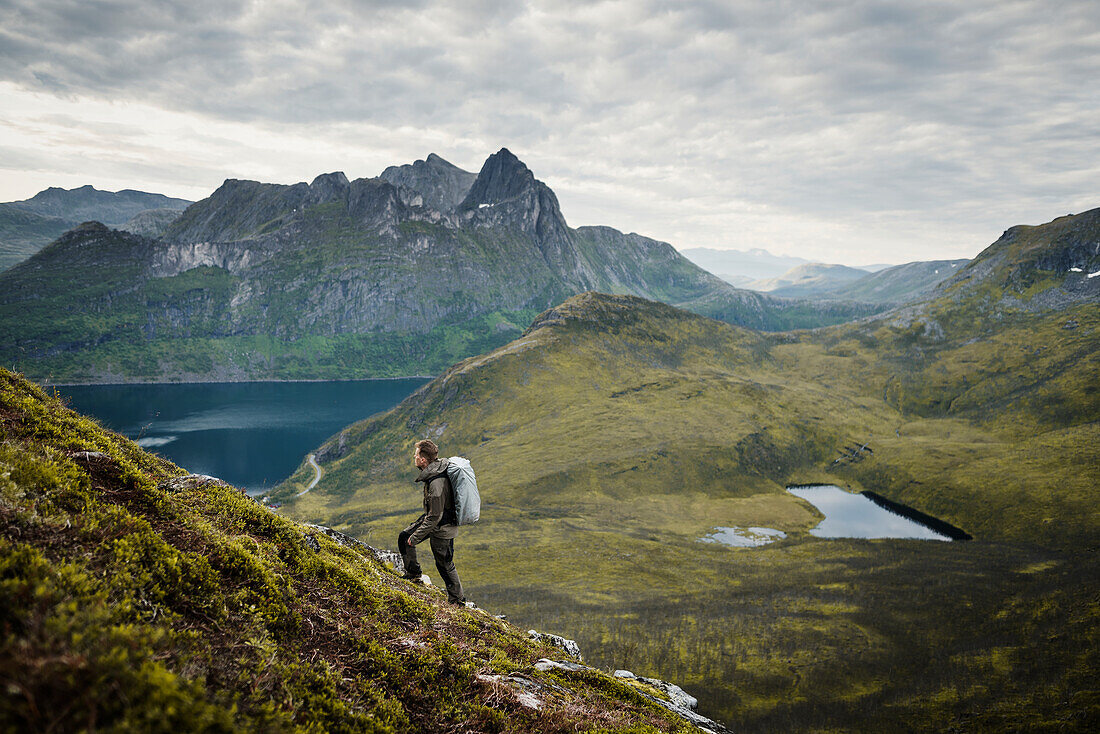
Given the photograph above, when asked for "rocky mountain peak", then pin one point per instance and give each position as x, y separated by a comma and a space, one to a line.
336, 178
441, 183
503, 176
328, 187
87, 228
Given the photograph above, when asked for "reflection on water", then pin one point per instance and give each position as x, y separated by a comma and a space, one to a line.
850, 515
744, 537
251, 434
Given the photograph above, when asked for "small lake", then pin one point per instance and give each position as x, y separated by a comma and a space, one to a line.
850, 515
737, 537
251, 434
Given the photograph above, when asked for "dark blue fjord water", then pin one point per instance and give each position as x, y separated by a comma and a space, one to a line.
251, 434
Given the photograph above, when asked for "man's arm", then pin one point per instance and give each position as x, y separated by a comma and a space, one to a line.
436, 488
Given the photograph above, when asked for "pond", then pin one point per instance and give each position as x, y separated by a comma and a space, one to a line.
251, 434
849, 515
744, 537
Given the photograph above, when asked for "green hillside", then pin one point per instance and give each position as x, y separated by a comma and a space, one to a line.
134, 597
616, 432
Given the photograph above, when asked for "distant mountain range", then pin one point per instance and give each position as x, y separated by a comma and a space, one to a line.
402, 274
29, 225
740, 267
894, 284
809, 280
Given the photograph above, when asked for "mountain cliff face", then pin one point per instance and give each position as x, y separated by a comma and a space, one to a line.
338, 279
442, 184
29, 225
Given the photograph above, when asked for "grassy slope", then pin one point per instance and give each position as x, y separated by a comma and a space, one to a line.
130, 605
617, 433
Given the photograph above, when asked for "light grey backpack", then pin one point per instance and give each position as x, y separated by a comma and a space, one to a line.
464, 484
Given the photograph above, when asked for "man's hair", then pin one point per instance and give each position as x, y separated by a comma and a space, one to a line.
427, 449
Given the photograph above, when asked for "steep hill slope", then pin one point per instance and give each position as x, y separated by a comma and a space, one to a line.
620, 432
336, 279
138, 598
29, 225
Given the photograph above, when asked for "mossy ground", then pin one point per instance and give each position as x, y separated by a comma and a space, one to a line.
615, 435
132, 603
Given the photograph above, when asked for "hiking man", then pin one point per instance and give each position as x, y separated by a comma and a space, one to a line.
438, 523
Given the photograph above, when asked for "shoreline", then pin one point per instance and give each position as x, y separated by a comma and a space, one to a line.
227, 382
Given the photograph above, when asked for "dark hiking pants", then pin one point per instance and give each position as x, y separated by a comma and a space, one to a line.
443, 549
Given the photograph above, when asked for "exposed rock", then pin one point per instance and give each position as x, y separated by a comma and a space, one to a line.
525, 690
545, 664
442, 185
570, 647
673, 698
383, 556
193, 481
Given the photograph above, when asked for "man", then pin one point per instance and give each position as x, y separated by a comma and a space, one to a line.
437, 523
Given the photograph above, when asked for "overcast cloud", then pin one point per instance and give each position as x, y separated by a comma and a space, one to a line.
841, 131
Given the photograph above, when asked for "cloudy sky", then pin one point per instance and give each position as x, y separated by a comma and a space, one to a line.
852, 131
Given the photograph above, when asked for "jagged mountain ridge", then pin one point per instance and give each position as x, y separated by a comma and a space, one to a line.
443, 184
367, 268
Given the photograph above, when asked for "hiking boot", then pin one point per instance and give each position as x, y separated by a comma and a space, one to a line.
461, 603
414, 577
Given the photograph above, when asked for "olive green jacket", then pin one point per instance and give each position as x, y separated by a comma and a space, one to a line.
439, 505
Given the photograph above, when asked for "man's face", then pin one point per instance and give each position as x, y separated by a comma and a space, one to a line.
419, 460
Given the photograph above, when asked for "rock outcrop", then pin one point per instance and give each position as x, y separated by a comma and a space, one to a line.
442, 184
